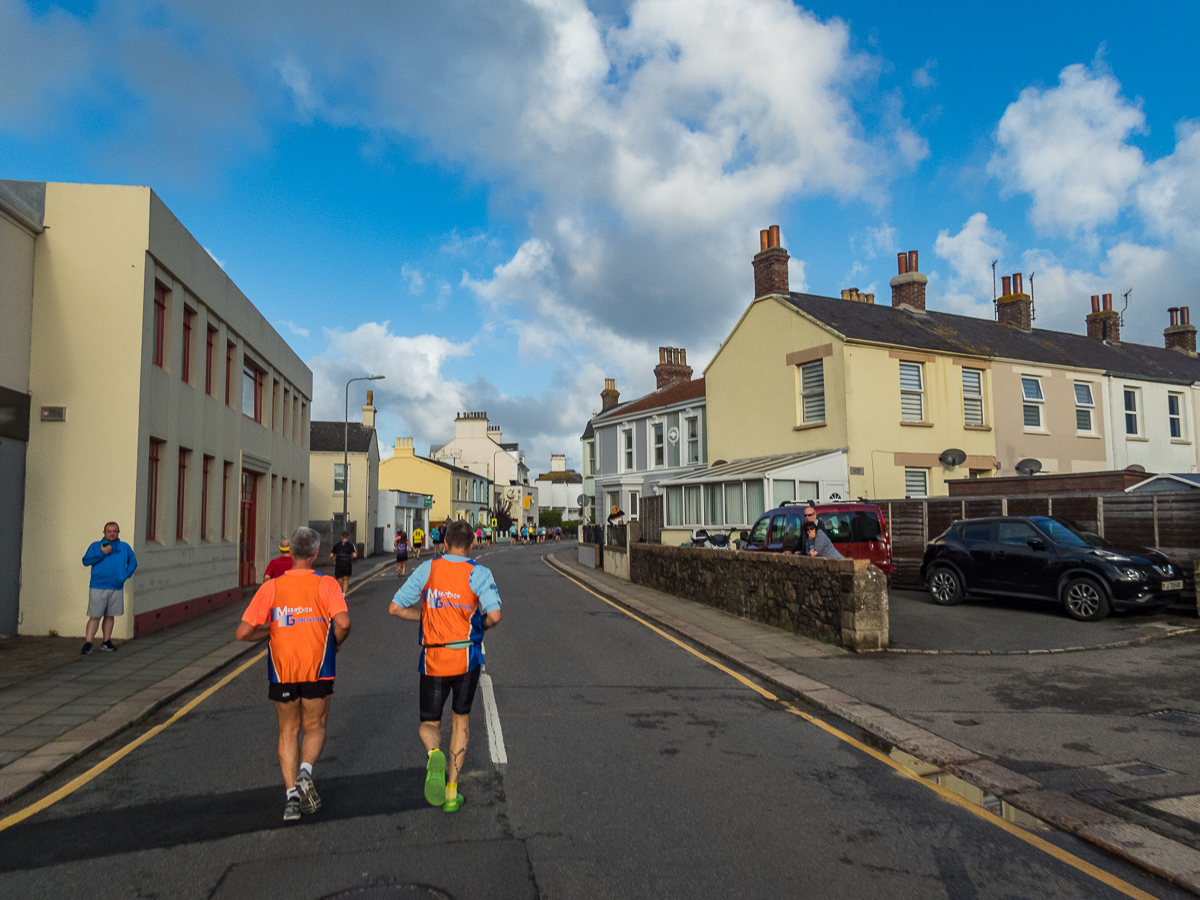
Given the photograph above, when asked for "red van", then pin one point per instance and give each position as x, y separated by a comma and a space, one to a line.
857, 529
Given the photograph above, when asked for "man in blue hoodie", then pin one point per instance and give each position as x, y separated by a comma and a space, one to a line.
112, 563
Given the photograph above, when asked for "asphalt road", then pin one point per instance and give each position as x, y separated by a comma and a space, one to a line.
634, 769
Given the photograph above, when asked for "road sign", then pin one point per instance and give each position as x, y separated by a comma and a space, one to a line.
494, 523
428, 502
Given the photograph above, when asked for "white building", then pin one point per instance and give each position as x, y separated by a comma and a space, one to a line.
560, 488
478, 447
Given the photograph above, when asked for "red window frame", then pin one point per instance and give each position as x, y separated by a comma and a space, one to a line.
225, 497
185, 358
230, 356
152, 490
255, 374
205, 470
181, 495
210, 350
160, 322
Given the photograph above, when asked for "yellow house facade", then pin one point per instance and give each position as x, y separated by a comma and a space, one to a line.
457, 493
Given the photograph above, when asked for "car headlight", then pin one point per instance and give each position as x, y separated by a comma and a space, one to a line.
1132, 574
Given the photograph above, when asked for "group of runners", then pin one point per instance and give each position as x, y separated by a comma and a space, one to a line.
305, 619
539, 534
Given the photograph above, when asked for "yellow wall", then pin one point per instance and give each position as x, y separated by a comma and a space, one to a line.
753, 403
404, 471
362, 503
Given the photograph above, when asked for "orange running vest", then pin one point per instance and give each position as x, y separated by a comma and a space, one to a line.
450, 612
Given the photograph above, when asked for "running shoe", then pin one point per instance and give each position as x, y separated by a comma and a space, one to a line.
454, 805
87, 649
310, 801
291, 811
108, 647
435, 778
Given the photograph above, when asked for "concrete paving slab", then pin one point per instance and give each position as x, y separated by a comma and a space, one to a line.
1145, 848
995, 779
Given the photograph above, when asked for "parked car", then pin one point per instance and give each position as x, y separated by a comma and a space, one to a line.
857, 529
1045, 558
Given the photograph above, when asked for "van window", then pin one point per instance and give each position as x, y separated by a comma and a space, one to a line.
759, 534
851, 526
791, 529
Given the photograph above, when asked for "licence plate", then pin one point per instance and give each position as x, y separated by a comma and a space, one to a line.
1172, 585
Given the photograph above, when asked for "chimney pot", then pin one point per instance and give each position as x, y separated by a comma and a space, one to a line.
1095, 303
1184, 316
902, 263
673, 369
845, 293
1018, 284
871, 299
370, 397
912, 261
1006, 285
908, 288
764, 238
1173, 312
774, 236
1107, 298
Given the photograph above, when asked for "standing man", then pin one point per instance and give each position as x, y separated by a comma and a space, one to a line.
112, 563
304, 616
455, 600
343, 556
281, 563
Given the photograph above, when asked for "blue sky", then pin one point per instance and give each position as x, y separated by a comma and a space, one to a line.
500, 205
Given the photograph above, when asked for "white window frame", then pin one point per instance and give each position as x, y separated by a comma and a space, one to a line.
1030, 402
1089, 407
1136, 412
345, 479
658, 441
974, 394
923, 474
693, 439
810, 394
634, 504
628, 450
1178, 417
910, 393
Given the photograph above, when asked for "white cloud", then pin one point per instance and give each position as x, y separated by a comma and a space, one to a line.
1169, 195
1067, 147
295, 329
416, 282
219, 262
970, 253
923, 77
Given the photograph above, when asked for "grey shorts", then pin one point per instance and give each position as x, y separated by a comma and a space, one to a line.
105, 603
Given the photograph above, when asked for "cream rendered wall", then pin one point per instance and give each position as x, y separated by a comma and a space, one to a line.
16, 303
1153, 448
92, 351
1058, 445
362, 504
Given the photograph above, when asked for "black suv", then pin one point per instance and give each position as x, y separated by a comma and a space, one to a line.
1046, 559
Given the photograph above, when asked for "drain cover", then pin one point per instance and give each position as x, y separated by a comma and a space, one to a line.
1141, 770
390, 892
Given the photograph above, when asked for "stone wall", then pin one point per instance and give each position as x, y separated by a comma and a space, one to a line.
616, 561
844, 600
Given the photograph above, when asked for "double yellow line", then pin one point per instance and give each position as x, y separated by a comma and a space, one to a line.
95, 771
1033, 840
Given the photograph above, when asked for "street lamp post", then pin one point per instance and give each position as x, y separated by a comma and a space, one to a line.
346, 446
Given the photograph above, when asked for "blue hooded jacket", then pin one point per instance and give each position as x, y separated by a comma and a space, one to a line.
110, 571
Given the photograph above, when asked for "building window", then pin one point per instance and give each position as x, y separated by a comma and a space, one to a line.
660, 444
303, 424
675, 506
633, 504
1133, 423
733, 504
1175, 414
285, 428
181, 495
589, 458
185, 357
973, 397
693, 511
205, 473
252, 391
295, 419
693, 439
1084, 404
339, 478
160, 323
912, 393
275, 424
152, 489
812, 392
715, 494
916, 482
230, 359
627, 456
210, 349
1031, 394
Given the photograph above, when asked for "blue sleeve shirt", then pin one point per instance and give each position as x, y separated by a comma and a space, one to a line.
110, 571
481, 581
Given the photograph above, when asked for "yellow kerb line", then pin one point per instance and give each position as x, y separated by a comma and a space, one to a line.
1033, 840
76, 783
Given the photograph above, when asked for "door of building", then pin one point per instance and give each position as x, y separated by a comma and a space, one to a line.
247, 528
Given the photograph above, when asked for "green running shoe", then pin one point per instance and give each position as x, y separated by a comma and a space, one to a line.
435, 778
455, 804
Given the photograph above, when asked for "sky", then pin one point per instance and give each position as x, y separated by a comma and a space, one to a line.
497, 206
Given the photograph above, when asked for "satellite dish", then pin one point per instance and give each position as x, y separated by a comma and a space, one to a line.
1029, 467
579, 501
952, 458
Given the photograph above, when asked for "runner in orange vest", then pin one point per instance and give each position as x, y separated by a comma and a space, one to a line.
455, 600
304, 615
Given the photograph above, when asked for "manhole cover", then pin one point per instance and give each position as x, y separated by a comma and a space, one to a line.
1141, 770
390, 892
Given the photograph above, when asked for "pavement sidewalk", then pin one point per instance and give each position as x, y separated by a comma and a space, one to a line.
56, 705
1093, 742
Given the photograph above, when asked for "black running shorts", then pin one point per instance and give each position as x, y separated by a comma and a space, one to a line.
435, 689
342, 568
300, 690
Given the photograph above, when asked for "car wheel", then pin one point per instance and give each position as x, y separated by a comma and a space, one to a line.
945, 587
1085, 600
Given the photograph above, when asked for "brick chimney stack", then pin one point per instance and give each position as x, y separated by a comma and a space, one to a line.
770, 264
1104, 322
672, 367
609, 397
1181, 333
908, 288
1014, 306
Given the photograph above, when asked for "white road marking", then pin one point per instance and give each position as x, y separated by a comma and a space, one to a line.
495, 735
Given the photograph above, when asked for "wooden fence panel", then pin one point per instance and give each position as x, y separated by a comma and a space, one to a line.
1129, 519
984, 506
1029, 506
942, 514
906, 525
1179, 520
1082, 512
650, 515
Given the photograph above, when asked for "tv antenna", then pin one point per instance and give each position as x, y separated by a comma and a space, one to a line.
995, 304
1032, 300
1125, 307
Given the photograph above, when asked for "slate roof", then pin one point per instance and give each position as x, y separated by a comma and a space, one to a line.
328, 437
668, 396
588, 432
947, 333
569, 476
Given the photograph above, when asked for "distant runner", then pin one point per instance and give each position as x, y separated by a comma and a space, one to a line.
304, 615
418, 540
455, 600
343, 556
401, 554
281, 563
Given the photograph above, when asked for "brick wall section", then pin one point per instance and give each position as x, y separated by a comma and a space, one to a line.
1181, 337
845, 600
771, 272
909, 290
1015, 311
1105, 326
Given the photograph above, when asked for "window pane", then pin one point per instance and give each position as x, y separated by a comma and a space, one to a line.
633, 503
733, 504
911, 407
339, 478
249, 382
808, 491
972, 410
1031, 389
1013, 532
675, 506
1173, 404
693, 440
691, 505
1131, 425
812, 387
791, 529
658, 444
1083, 419
755, 499
1033, 416
910, 376
1176, 428
781, 491
916, 482
1131, 401
972, 381
715, 495
1083, 394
